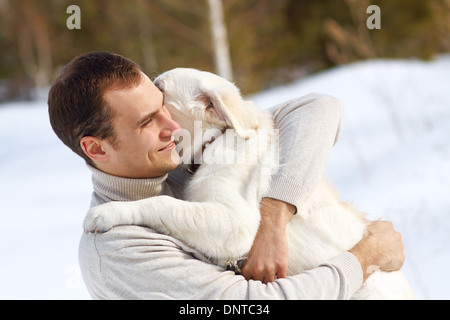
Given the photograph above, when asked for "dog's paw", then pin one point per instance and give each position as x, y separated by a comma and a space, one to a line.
98, 220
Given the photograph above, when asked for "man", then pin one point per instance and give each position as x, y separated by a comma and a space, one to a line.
108, 112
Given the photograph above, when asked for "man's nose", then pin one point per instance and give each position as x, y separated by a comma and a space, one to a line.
169, 127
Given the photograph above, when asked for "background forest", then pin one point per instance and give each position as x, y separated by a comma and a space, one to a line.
270, 42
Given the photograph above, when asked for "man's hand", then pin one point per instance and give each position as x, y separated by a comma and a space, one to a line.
268, 257
380, 248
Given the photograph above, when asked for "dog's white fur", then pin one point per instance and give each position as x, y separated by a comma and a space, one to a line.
221, 215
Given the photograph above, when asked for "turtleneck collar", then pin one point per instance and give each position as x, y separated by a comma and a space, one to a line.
115, 188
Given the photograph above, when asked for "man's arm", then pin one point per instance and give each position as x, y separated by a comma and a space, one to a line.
131, 262
308, 128
268, 257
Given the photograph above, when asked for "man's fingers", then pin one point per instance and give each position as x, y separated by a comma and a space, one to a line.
256, 273
270, 277
282, 272
265, 278
262, 273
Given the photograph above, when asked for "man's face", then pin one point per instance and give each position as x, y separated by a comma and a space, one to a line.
144, 131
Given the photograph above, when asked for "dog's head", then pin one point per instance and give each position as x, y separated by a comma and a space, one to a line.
192, 95
196, 95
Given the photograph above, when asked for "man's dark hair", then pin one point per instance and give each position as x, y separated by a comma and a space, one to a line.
75, 102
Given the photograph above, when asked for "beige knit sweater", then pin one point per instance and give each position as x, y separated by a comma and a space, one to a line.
132, 262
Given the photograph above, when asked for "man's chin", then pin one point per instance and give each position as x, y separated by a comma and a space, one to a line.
163, 165
170, 165
175, 158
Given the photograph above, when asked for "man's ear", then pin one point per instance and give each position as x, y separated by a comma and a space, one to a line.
94, 149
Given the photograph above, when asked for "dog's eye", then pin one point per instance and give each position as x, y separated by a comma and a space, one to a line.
209, 105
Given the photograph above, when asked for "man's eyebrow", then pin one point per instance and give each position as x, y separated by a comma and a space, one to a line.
146, 118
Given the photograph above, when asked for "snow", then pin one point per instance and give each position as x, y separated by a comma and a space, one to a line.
392, 161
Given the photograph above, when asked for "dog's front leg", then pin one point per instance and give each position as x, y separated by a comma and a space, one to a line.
106, 216
212, 228
161, 213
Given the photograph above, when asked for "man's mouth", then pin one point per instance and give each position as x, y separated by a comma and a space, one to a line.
170, 146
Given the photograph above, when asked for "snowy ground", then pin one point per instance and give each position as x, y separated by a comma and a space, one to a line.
392, 161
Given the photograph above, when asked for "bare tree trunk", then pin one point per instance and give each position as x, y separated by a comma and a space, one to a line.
220, 41
440, 10
148, 51
150, 62
351, 43
34, 46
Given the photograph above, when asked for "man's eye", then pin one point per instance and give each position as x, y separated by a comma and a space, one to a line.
147, 123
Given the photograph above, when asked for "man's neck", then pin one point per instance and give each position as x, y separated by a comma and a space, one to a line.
112, 188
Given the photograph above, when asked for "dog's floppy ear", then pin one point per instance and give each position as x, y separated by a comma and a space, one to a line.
229, 106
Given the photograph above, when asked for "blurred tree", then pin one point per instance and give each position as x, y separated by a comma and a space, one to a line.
351, 43
30, 35
440, 14
220, 40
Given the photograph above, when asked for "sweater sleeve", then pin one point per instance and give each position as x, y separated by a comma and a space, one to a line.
308, 129
130, 262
